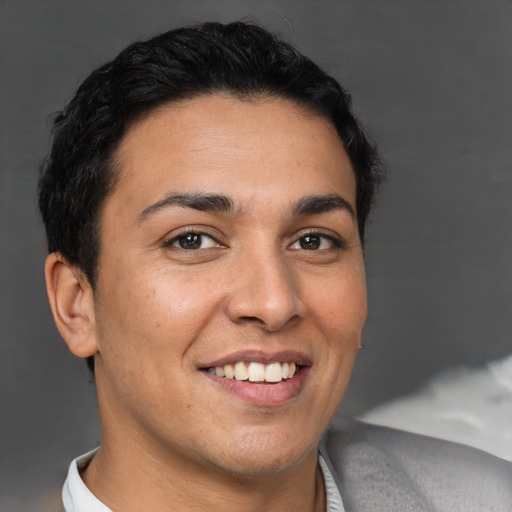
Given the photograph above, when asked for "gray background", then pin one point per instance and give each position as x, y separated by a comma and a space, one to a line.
431, 80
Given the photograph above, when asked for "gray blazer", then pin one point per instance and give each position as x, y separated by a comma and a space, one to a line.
380, 469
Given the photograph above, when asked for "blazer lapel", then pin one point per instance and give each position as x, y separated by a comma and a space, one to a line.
369, 479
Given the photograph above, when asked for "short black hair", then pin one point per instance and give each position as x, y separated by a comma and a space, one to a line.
240, 59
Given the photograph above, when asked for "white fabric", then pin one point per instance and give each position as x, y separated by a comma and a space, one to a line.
77, 497
334, 502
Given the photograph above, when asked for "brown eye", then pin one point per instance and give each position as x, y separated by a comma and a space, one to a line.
310, 242
317, 242
192, 241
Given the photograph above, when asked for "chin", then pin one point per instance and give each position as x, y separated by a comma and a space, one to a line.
260, 465
262, 456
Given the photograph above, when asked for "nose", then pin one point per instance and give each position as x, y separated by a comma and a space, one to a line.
266, 293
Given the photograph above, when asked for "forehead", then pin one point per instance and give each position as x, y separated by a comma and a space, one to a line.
222, 144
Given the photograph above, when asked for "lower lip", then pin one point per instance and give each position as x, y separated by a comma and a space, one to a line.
263, 394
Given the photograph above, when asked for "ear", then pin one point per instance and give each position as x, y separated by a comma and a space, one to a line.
72, 302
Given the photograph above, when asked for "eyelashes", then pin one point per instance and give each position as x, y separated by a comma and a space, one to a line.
317, 241
311, 240
193, 241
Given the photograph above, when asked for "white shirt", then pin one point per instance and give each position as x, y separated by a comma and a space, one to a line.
77, 497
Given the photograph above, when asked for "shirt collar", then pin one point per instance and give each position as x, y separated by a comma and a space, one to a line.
333, 496
75, 494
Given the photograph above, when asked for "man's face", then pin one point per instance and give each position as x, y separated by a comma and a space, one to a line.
230, 245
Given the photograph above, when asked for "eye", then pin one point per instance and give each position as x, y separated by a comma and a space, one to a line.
192, 241
315, 242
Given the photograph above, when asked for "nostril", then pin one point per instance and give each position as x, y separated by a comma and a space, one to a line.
251, 319
268, 324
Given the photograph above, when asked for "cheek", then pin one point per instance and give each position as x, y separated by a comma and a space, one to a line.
179, 304
340, 304
149, 315
144, 332
340, 312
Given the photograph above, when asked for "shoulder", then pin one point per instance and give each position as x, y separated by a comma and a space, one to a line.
383, 469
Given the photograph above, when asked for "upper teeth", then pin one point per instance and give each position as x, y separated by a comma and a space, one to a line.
256, 372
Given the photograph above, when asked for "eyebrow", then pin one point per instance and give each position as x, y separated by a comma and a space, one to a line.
312, 205
201, 202
309, 205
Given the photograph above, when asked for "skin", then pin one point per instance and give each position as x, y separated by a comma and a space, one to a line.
161, 312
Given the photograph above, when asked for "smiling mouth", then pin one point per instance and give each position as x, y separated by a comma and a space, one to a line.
271, 373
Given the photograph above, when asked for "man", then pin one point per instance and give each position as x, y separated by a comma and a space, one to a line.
205, 201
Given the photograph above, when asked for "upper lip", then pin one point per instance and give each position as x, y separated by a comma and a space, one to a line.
260, 356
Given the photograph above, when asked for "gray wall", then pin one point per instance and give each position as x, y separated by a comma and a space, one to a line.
432, 81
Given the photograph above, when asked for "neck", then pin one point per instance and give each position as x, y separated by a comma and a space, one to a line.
135, 480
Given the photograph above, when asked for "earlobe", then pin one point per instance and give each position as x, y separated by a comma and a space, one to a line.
72, 303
